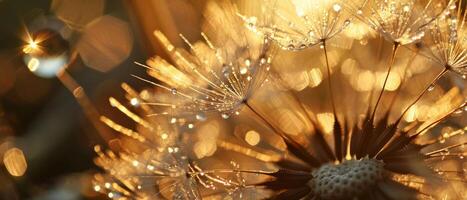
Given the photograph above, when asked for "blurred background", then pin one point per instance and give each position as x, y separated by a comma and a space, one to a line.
53, 53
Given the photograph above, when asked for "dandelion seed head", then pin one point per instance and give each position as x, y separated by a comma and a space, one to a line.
299, 24
447, 41
402, 22
216, 75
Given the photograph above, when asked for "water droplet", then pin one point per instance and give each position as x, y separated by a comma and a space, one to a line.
226, 70
134, 101
201, 117
174, 91
364, 42
190, 126
243, 70
431, 88
337, 7
346, 22
459, 111
225, 116
248, 62
406, 8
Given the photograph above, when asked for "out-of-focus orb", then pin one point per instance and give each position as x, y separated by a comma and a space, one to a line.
204, 148
394, 81
105, 43
78, 14
15, 162
364, 81
46, 53
316, 77
252, 137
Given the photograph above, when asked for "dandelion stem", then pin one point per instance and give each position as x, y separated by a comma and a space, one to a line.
329, 78
337, 135
409, 64
294, 145
423, 93
263, 119
391, 63
83, 100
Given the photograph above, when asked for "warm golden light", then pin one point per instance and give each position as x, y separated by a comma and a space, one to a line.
205, 148
327, 121
316, 77
31, 47
365, 81
15, 162
252, 137
33, 64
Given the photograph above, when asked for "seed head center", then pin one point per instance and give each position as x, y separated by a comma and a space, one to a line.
350, 178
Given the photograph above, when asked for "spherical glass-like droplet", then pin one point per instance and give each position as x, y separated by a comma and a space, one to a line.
46, 53
225, 116
336, 7
201, 116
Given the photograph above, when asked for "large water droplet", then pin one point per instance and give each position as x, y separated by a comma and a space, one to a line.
173, 91
459, 111
291, 47
226, 70
225, 116
201, 116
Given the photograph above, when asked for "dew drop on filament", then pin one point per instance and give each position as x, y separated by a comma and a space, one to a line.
337, 7
201, 116
431, 88
459, 111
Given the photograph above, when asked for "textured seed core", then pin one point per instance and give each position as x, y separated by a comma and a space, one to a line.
348, 179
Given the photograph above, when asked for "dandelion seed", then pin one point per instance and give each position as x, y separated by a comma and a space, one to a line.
395, 23
447, 41
299, 24
212, 77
